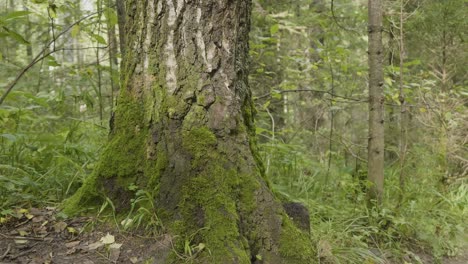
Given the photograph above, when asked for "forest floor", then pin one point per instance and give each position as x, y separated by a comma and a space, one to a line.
38, 236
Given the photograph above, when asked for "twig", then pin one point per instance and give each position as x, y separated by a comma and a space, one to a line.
312, 90
6, 252
24, 238
23, 253
22, 223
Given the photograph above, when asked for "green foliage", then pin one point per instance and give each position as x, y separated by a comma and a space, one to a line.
44, 154
143, 213
314, 142
50, 133
346, 230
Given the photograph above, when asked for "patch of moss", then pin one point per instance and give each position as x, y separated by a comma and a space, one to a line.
295, 246
120, 161
209, 215
198, 142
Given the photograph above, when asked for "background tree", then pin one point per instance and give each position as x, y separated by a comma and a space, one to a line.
375, 152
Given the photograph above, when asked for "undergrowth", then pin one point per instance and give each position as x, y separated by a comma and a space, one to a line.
46, 151
47, 147
430, 218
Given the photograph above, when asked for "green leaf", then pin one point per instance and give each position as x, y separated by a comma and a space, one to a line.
52, 10
111, 16
388, 81
99, 39
75, 30
274, 29
52, 62
15, 14
16, 36
276, 94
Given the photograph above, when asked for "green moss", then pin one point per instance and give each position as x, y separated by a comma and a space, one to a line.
198, 142
154, 169
295, 246
209, 215
85, 195
120, 160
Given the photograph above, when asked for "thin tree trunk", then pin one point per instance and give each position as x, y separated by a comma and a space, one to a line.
122, 17
403, 111
376, 103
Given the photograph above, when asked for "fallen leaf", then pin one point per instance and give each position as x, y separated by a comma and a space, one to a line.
38, 219
21, 241
29, 216
134, 260
114, 254
72, 244
108, 239
60, 226
126, 222
95, 246
115, 246
22, 233
71, 230
71, 251
35, 211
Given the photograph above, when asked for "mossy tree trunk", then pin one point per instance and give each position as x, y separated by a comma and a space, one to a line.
183, 130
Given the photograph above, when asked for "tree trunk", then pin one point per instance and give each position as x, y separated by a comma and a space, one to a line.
376, 102
183, 130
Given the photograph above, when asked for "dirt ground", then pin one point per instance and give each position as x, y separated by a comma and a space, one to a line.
39, 236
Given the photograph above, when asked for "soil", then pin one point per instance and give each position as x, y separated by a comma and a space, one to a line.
39, 236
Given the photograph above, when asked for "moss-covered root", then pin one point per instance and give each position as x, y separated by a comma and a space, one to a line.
81, 200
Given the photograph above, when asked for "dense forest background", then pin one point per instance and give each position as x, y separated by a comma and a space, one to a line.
59, 76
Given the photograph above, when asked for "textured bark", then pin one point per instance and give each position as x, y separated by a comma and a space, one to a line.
376, 102
183, 130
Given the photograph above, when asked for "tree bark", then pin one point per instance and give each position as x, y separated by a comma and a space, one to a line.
184, 131
376, 103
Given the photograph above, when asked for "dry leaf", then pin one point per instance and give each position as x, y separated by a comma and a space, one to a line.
71, 230
21, 241
60, 226
22, 233
72, 244
108, 239
95, 246
29, 216
71, 251
114, 254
